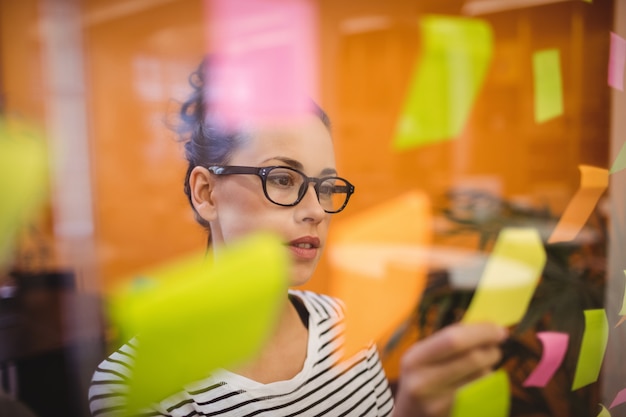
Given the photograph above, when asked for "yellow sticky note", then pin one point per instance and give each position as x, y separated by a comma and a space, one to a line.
377, 257
23, 179
509, 279
201, 316
548, 87
488, 396
593, 183
455, 58
592, 349
622, 312
603, 411
620, 161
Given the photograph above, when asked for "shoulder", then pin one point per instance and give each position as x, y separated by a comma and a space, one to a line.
109, 382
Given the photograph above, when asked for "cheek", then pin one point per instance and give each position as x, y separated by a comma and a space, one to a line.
240, 214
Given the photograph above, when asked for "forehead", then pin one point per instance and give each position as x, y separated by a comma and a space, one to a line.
306, 140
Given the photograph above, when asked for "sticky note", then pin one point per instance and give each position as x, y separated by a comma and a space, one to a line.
23, 179
617, 61
509, 278
456, 53
554, 349
378, 265
592, 349
620, 398
622, 312
487, 396
201, 316
593, 183
548, 87
263, 64
603, 412
620, 161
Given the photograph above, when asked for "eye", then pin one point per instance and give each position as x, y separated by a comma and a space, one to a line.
282, 178
327, 189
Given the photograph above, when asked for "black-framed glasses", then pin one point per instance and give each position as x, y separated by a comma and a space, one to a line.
286, 186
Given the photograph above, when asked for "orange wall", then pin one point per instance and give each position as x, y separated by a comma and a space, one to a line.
137, 60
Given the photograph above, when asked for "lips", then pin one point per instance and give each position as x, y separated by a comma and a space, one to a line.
305, 248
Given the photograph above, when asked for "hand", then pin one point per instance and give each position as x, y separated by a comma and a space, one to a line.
433, 369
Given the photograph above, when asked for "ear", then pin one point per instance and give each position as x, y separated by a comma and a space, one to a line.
201, 186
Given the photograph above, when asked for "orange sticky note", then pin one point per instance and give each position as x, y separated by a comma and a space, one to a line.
593, 183
377, 265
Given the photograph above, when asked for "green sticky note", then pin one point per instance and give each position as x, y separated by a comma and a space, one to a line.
603, 412
23, 179
622, 312
620, 161
509, 279
455, 58
592, 349
548, 87
488, 396
201, 316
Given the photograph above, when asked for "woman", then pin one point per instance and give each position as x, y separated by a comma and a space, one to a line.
282, 178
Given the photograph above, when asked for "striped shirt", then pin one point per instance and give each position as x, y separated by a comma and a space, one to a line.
327, 384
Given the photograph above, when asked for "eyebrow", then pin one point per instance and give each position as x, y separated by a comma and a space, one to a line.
298, 165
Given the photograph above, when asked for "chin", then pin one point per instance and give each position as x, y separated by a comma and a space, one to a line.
300, 276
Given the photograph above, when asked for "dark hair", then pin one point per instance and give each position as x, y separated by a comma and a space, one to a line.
205, 142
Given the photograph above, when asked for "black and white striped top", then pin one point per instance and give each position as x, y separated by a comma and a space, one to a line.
326, 385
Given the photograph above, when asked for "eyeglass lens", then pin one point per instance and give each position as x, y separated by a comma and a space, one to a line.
286, 186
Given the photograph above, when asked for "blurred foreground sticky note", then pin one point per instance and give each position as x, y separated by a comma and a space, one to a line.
617, 61
200, 317
509, 279
554, 349
488, 396
455, 57
620, 161
378, 265
548, 86
593, 183
23, 179
592, 349
263, 62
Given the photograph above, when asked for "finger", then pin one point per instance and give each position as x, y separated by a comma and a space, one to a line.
448, 376
453, 341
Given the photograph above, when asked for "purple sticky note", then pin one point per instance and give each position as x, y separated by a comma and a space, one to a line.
263, 60
620, 398
554, 349
617, 60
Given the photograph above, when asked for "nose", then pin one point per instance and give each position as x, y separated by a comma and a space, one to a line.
311, 209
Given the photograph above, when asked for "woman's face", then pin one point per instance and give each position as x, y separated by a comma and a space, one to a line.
240, 206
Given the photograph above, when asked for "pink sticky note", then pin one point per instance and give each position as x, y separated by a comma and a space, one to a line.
554, 349
620, 398
617, 60
263, 60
